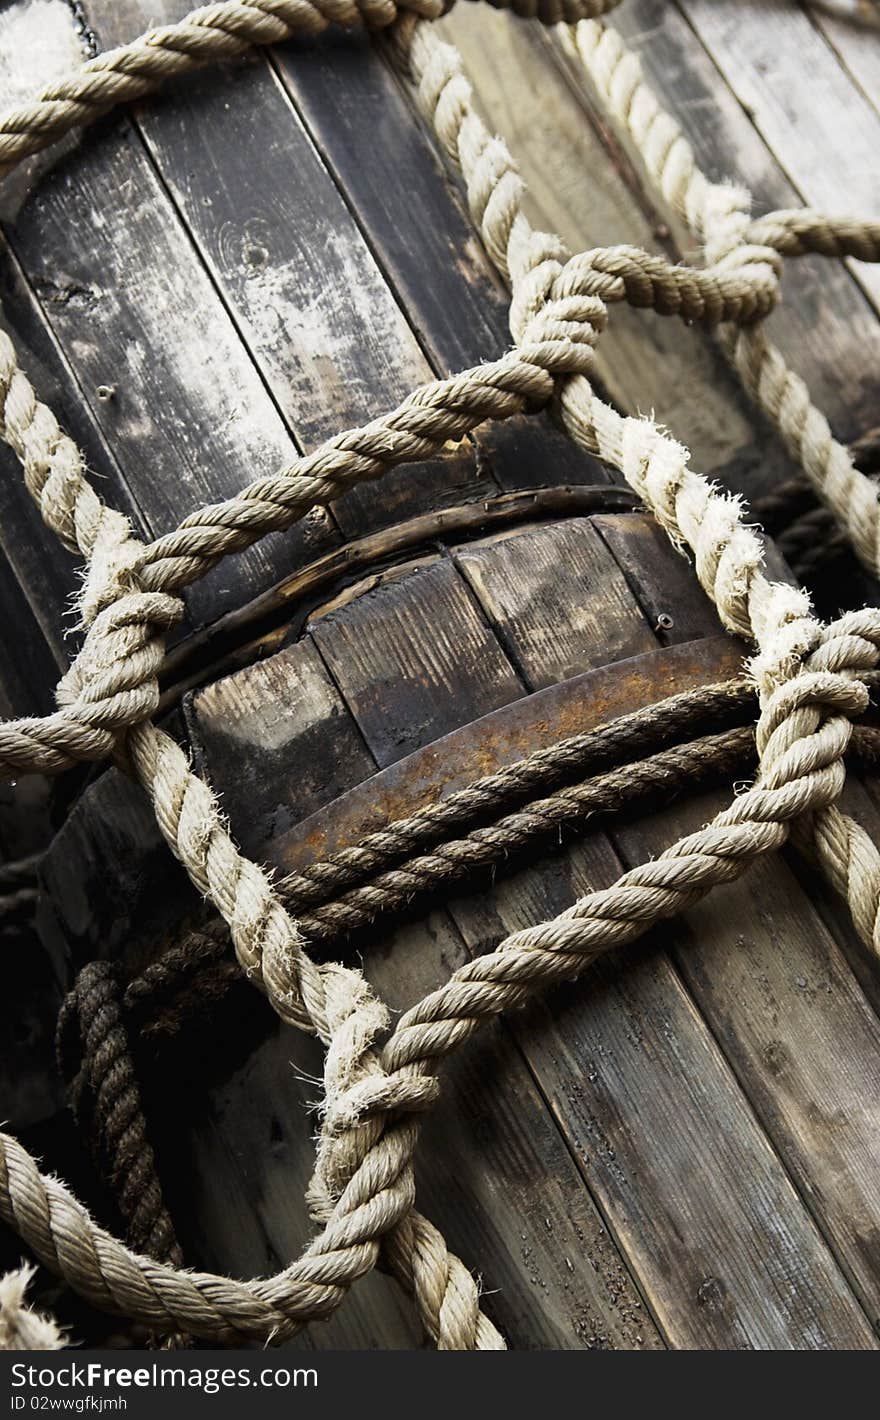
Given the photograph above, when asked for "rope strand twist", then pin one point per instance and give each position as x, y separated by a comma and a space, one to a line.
378, 1080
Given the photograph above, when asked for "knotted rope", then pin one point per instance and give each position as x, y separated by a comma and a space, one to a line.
196, 970
214, 34
719, 215
809, 679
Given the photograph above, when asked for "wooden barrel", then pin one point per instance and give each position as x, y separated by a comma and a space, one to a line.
681, 1148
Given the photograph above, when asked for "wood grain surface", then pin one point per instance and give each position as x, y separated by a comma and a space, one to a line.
681, 1149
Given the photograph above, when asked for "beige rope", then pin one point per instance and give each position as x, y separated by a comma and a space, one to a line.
718, 213
22, 1328
362, 1193
214, 34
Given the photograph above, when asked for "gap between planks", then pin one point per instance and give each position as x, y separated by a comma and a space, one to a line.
341, 666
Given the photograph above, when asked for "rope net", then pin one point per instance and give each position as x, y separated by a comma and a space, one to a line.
809, 677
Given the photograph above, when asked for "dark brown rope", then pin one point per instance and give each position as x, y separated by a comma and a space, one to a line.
452, 864
91, 1024
619, 742
185, 981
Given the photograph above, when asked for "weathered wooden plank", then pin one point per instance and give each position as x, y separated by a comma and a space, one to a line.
666, 589
424, 239
824, 324
322, 325
519, 580
820, 127
750, 975
495, 1174
280, 615
28, 669
46, 572
135, 314
39, 572
793, 1021
705, 1214
189, 419
493, 1171
375, 656
857, 47
581, 186
393, 177
301, 718
527, 898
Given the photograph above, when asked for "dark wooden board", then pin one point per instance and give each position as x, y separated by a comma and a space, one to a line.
825, 325
45, 571
134, 309
625, 1057
493, 1170
371, 654
261, 801
774, 959
788, 79
322, 325
520, 583
389, 168
28, 668
581, 186
799, 1033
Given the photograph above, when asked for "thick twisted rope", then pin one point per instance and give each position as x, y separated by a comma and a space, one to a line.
214, 34
804, 530
93, 1012
718, 213
666, 773
740, 287
94, 1024
809, 682
21, 1327
93, 1041
189, 978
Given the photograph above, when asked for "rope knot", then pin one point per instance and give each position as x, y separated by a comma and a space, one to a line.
359, 1094
113, 683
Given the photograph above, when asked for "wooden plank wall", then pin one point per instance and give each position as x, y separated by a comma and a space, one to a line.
215, 324
261, 256
690, 1089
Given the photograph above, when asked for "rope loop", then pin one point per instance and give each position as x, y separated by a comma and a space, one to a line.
379, 1080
